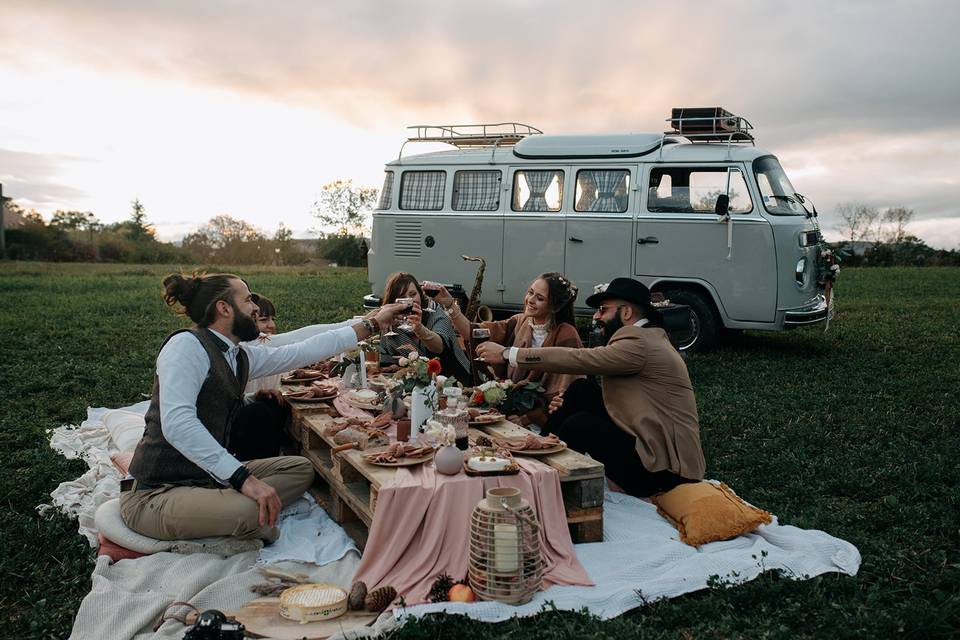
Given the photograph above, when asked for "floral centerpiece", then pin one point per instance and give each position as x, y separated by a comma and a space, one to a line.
416, 371
439, 434
522, 398
491, 393
417, 376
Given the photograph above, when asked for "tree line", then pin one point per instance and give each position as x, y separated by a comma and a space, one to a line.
342, 210
875, 237
872, 237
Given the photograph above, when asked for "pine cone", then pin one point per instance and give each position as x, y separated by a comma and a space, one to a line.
484, 441
358, 594
440, 589
379, 599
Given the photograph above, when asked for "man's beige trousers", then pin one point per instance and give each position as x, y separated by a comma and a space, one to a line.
182, 513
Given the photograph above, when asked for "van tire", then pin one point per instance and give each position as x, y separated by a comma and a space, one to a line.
703, 317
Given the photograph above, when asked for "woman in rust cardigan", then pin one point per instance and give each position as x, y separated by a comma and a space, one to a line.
547, 320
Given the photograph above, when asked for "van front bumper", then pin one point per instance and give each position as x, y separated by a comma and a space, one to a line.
809, 314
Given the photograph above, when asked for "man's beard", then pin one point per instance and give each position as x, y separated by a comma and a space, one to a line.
244, 326
602, 331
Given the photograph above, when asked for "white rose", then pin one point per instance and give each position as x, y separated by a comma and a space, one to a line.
413, 355
489, 384
403, 361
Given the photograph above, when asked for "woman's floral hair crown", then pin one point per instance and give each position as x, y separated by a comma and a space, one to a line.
568, 291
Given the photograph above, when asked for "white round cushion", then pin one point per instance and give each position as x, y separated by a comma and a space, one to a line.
111, 525
109, 522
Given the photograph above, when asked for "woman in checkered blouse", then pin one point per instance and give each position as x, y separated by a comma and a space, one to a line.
432, 332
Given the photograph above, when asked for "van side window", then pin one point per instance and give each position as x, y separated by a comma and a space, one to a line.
602, 190
695, 190
476, 190
422, 190
540, 190
386, 194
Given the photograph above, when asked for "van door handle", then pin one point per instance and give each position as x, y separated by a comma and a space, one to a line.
573, 239
648, 240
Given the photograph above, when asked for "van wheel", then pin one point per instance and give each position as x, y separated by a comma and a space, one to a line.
704, 323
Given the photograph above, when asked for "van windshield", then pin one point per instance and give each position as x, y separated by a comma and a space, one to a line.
779, 196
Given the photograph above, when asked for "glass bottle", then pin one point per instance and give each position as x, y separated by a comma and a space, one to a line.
456, 415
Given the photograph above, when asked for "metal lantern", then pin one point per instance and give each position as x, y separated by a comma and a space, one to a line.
506, 563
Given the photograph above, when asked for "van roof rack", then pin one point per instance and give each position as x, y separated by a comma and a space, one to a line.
471, 136
709, 124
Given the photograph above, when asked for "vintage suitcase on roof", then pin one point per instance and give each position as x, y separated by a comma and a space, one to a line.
702, 120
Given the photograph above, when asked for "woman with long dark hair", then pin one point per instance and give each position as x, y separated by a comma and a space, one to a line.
430, 331
547, 320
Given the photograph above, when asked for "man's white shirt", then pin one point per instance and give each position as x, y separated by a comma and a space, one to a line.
182, 368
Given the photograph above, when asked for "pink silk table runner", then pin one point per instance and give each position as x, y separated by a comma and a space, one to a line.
421, 528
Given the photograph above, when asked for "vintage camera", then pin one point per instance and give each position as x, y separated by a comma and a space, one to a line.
213, 625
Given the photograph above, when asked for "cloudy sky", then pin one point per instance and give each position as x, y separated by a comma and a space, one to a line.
247, 108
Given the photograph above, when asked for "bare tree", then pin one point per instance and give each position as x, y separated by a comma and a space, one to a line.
859, 221
897, 219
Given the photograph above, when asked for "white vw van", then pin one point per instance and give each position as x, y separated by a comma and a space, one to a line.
594, 207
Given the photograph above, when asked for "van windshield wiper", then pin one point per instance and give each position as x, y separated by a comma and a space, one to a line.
783, 197
803, 203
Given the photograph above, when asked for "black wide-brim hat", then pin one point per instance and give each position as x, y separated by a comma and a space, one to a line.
626, 289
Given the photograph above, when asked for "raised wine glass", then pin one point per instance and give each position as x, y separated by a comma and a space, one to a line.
405, 325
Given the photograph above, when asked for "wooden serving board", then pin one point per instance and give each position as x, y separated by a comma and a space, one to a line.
262, 619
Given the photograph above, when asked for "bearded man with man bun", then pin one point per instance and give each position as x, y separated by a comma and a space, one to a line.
187, 484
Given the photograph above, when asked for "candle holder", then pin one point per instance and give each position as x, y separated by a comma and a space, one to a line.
506, 563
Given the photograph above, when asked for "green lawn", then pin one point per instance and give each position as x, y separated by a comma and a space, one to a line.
853, 431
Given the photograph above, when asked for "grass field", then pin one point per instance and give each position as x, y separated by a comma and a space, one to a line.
854, 431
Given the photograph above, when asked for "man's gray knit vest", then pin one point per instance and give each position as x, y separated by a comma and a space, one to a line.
155, 460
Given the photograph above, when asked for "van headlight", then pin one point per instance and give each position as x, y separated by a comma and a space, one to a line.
800, 273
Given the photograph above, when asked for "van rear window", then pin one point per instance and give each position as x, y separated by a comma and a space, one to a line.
422, 190
602, 190
540, 190
386, 194
476, 190
695, 190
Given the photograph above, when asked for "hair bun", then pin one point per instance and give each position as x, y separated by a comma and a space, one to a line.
180, 288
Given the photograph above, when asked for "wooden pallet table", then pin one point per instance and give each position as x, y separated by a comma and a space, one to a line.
348, 486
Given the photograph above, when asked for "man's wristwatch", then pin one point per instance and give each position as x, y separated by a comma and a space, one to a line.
239, 477
371, 325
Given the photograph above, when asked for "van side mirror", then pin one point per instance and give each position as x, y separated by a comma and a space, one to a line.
723, 205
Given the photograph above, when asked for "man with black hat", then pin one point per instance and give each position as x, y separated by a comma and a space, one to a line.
641, 420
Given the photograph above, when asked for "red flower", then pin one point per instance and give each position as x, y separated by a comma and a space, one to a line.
433, 367
478, 397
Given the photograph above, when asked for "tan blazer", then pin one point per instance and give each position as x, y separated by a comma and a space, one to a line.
646, 390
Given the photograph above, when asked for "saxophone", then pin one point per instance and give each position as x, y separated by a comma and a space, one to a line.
474, 311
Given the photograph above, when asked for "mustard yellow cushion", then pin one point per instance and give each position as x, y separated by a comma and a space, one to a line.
705, 512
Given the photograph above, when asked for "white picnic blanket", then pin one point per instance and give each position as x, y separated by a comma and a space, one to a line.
640, 553
129, 597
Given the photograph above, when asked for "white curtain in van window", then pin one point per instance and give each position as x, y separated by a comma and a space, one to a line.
539, 182
476, 191
602, 190
422, 190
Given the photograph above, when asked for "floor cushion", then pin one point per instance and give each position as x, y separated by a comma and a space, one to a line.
706, 512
